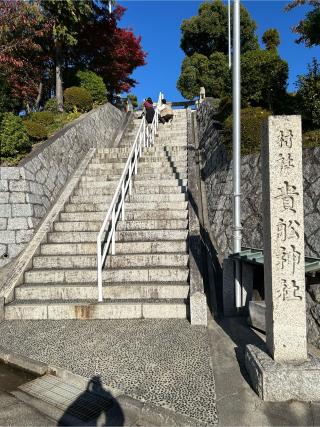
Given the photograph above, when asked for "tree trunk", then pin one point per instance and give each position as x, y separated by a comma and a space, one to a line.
59, 89
39, 97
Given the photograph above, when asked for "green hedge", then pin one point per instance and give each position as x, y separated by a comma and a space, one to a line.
311, 139
94, 84
77, 97
251, 121
36, 131
14, 139
45, 118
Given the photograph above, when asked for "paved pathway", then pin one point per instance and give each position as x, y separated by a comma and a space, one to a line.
237, 403
163, 362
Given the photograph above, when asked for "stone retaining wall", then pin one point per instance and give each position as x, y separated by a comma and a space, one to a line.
217, 174
28, 191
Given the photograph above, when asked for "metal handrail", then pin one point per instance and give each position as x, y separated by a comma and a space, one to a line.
144, 139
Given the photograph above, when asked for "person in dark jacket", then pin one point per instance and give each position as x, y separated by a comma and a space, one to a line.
149, 110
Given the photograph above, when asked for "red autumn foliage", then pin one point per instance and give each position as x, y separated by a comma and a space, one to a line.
110, 51
27, 47
22, 34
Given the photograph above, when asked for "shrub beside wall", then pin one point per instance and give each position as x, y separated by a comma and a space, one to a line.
251, 121
77, 97
13, 136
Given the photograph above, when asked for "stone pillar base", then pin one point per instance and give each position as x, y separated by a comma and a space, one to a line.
280, 382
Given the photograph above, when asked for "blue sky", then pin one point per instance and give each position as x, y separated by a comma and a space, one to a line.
158, 22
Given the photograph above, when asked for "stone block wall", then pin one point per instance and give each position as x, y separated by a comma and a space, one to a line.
28, 191
217, 174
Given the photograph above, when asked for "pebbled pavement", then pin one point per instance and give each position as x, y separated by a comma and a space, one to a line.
162, 362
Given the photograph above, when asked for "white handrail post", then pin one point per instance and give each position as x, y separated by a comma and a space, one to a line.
136, 161
144, 133
122, 199
113, 231
130, 179
140, 143
100, 296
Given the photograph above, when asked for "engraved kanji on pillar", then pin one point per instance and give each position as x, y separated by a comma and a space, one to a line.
283, 230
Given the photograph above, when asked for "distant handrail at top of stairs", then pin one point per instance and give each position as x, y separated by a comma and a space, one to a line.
144, 138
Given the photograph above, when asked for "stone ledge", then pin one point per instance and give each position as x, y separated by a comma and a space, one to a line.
281, 382
198, 300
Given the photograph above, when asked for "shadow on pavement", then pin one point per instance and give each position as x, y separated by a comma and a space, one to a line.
95, 406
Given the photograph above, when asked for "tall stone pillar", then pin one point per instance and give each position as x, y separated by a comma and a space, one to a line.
283, 238
283, 370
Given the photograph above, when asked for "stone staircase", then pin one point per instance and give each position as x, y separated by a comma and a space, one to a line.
148, 276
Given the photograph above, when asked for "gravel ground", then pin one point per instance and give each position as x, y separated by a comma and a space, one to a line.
164, 362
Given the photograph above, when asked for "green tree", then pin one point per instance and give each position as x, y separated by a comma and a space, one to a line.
68, 16
207, 32
308, 28
211, 73
134, 100
309, 95
271, 39
264, 78
205, 42
94, 85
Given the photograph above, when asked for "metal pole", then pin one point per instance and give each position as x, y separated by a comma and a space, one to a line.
229, 32
236, 149
110, 7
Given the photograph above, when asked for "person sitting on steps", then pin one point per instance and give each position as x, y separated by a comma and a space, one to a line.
166, 112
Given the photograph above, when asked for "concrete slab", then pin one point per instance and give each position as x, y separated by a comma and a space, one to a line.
237, 403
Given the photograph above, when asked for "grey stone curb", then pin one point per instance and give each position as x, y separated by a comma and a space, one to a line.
148, 412
23, 362
123, 127
25, 261
198, 300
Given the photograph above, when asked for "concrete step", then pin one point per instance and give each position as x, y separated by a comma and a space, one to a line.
138, 274
91, 176
149, 224
103, 207
88, 197
123, 309
122, 151
112, 261
112, 185
159, 176
157, 163
129, 215
168, 143
112, 291
108, 176
121, 236
98, 191
170, 246
142, 197
141, 187
150, 169
146, 157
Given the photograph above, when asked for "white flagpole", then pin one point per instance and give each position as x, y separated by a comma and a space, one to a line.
237, 150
